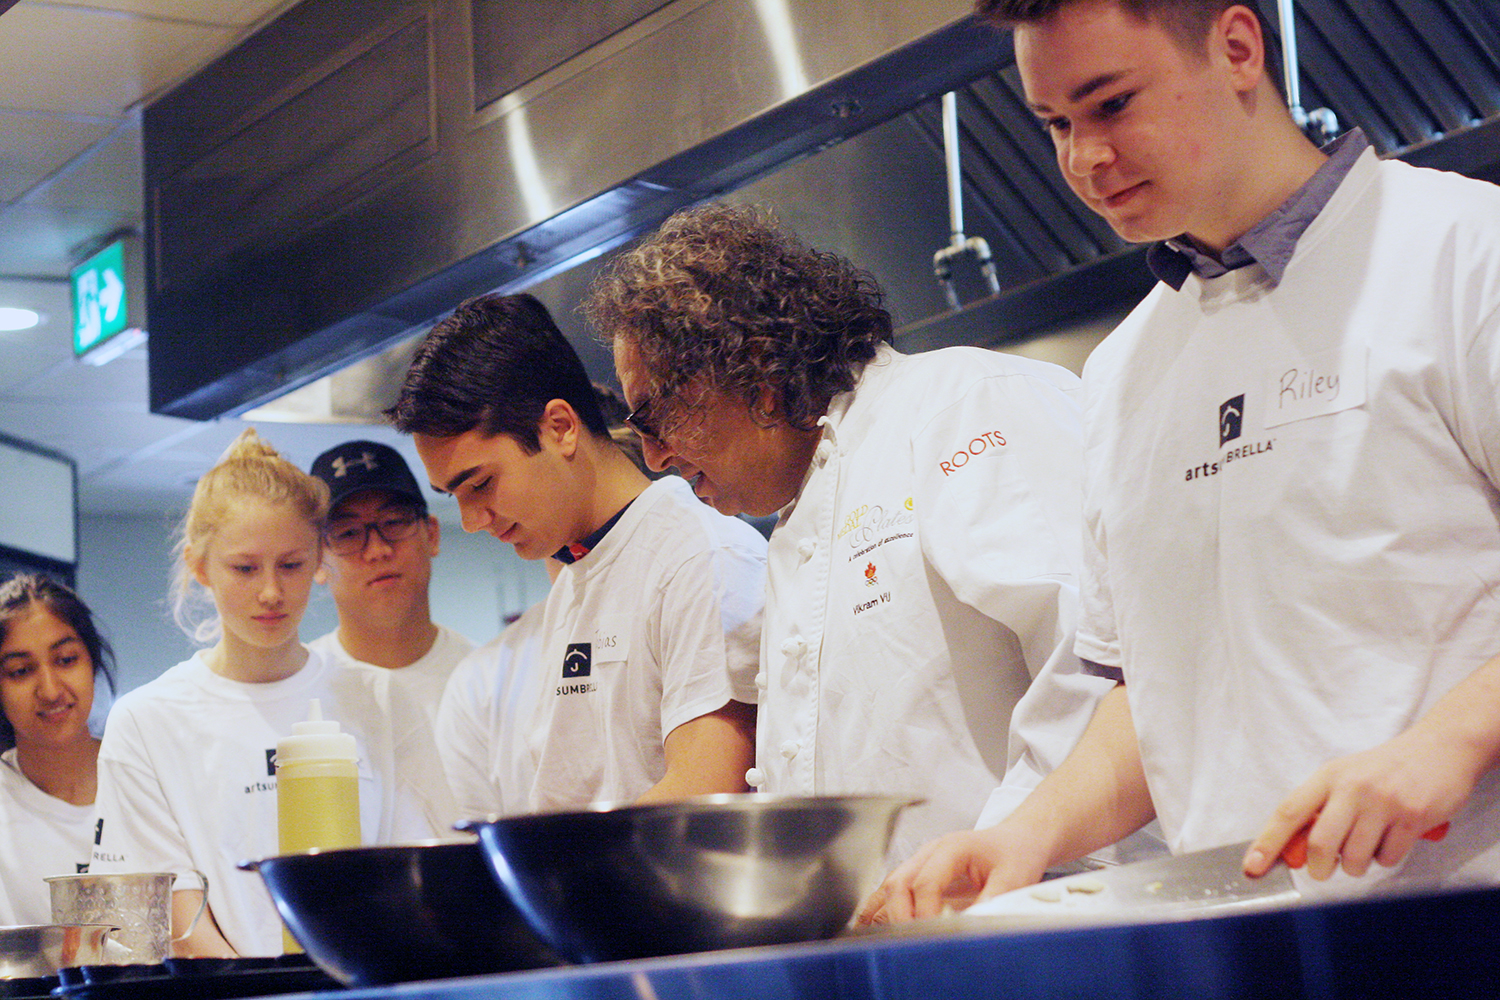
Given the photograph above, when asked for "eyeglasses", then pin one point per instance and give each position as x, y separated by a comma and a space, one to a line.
350, 538
638, 419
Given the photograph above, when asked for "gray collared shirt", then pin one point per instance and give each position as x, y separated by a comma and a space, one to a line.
1271, 241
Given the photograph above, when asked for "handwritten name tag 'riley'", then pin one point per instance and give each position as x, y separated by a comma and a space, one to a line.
1313, 387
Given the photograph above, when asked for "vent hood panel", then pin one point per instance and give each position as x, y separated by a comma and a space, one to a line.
288, 238
328, 189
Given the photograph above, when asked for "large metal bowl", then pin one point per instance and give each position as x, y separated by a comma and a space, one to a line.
34, 951
370, 916
721, 871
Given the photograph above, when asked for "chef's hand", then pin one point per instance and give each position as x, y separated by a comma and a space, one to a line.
956, 869
1371, 805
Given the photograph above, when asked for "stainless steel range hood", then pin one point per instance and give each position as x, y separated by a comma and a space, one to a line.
324, 192
342, 178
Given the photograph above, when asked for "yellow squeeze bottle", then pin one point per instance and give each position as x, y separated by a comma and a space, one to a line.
317, 790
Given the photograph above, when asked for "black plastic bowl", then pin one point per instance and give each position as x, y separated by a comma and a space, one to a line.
370, 916
719, 871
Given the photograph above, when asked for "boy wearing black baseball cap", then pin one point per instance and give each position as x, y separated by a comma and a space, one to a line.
378, 547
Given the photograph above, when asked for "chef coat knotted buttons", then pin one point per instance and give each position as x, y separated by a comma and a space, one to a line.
755, 777
790, 749
806, 548
824, 451
761, 681
794, 646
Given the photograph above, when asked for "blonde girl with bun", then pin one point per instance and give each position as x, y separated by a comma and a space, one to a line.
186, 778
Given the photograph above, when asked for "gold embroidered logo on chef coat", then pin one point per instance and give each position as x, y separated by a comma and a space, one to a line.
867, 529
871, 525
985, 443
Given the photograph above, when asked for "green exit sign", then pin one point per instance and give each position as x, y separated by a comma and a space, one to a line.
106, 303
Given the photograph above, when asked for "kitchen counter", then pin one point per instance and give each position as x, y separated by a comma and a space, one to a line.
1441, 945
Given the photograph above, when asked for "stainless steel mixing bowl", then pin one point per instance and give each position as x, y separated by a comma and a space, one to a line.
721, 871
33, 951
395, 913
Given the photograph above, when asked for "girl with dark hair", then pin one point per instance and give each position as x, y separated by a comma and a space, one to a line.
51, 656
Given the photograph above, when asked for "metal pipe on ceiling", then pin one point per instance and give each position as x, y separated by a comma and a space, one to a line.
959, 245
1320, 124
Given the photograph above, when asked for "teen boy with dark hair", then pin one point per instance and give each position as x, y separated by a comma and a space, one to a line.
642, 686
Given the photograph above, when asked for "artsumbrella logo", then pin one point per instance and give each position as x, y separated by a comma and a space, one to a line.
1231, 419
578, 662
1231, 427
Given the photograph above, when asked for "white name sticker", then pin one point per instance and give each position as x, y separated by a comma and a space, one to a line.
1315, 386
612, 641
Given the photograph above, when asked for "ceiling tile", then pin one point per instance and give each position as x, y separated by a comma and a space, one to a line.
26, 354
114, 60
108, 177
34, 146
40, 239
50, 298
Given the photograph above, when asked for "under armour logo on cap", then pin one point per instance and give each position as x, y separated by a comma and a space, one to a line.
355, 466
341, 465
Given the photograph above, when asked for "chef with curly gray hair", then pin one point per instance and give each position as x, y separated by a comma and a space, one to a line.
922, 579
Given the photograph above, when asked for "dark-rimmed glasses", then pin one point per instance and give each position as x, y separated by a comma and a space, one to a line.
349, 538
639, 419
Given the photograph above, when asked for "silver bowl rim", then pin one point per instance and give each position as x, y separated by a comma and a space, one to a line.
720, 802
79, 876
253, 864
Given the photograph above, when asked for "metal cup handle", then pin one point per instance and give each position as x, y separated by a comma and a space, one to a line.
202, 905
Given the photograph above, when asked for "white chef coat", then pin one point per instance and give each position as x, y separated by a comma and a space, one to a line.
40, 835
1294, 527
409, 696
477, 720
923, 578
186, 781
669, 607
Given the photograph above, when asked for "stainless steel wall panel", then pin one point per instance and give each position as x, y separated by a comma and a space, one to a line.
303, 161
516, 41
698, 97
357, 246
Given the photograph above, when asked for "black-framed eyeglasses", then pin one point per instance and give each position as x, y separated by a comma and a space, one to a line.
349, 538
640, 420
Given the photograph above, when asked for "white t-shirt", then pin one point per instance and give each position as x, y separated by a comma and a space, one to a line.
923, 585
39, 836
570, 705
1291, 496
410, 696
186, 781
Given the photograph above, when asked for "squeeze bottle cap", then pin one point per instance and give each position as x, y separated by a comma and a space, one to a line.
316, 738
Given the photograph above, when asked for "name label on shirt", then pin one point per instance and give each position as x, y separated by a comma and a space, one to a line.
612, 641
1315, 386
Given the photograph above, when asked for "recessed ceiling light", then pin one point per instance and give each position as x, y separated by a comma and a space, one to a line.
18, 319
